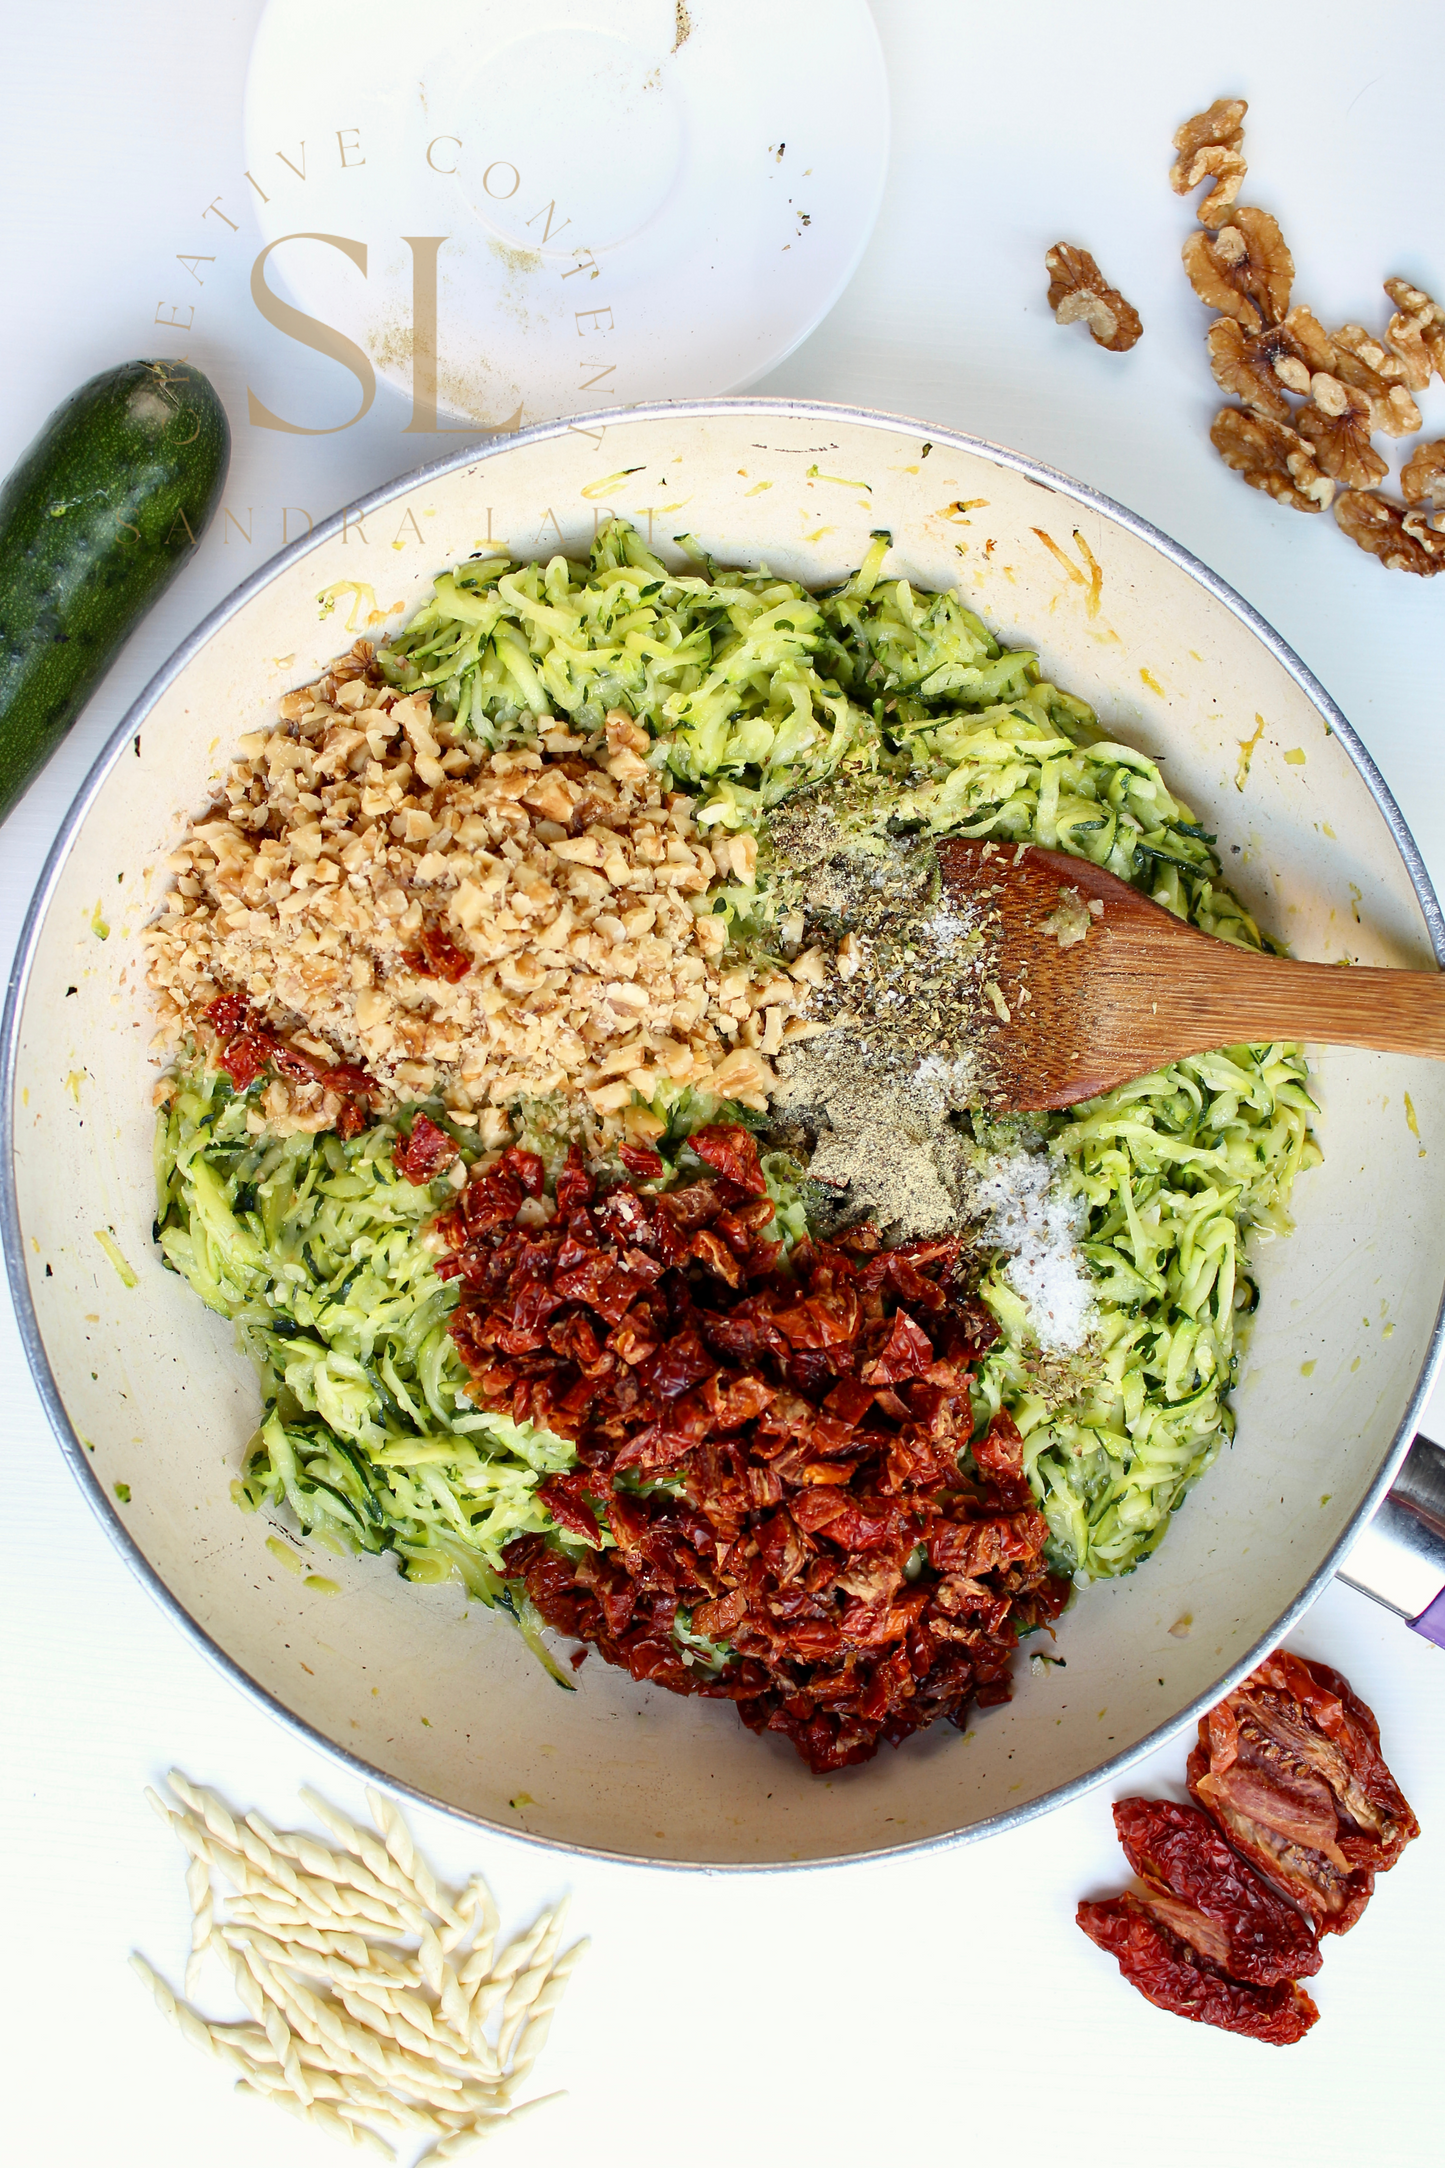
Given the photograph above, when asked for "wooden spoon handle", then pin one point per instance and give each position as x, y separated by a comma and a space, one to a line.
1263, 998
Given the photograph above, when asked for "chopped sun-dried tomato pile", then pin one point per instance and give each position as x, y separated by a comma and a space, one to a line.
816, 1530
246, 1050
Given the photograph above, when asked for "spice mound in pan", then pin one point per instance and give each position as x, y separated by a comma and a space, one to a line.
768, 1505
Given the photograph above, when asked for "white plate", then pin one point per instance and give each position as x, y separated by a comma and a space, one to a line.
638, 200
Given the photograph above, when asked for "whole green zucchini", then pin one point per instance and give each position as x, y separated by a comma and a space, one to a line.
95, 522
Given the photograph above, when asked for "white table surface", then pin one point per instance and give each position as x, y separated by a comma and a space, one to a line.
943, 2005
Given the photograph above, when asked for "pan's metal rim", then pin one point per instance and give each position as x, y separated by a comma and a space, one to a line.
782, 410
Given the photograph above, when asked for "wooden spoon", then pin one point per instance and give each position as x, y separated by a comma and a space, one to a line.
1140, 989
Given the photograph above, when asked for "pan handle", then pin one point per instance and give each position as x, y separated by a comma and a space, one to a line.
1400, 1557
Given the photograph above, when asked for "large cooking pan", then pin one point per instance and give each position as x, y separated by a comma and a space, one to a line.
146, 1388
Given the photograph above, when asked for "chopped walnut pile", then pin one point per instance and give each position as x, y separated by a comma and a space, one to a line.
1079, 293
1210, 147
1353, 385
1271, 457
484, 926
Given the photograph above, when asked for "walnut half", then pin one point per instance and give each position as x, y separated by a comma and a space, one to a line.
1337, 424
1254, 365
1362, 362
1401, 541
1272, 458
1244, 271
1078, 292
1422, 478
1417, 333
1210, 146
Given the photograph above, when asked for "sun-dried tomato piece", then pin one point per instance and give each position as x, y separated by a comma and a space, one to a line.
735, 1401
421, 1156
867, 1525
713, 1254
814, 1509
246, 1057
351, 1121
719, 1615
848, 1402
655, 1447
1289, 1765
746, 1333
575, 1185
633, 1339
492, 1199
822, 1321
588, 1280
977, 1547
906, 1353
729, 1148
679, 1363
999, 1455
911, 1286
228, 1015
565, 1497
575, 1337
623, 1217
528, 1169
349, 1082
1177, 1979
437, 956
860, 1241
1209, 1897
641, 1161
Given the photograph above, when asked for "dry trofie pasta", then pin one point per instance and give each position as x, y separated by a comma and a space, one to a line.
377, 2000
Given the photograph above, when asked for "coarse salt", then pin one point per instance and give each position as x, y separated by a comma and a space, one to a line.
1036, 1223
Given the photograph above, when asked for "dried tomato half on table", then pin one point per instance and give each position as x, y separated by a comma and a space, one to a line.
1209, 1897
1289, 1770
771, 1496
1289, 1765
1181, 1980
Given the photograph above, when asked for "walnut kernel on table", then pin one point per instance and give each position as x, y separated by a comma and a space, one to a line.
1257, 367
1316, 347
1210, 147
1337, 423
1272, 458
1364, 364
1422, 478
1417, 333
1079, 292
1402, 541
1244, 271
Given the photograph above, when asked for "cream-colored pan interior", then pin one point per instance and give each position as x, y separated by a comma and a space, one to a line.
445, 1698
